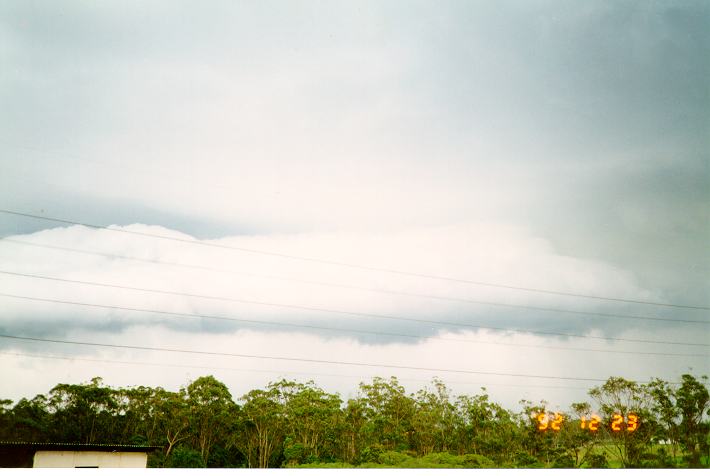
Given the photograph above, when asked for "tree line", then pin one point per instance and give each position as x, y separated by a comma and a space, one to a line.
293, 424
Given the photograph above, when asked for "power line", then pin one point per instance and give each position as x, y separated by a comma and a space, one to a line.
359, 288
355, 266
278, 372
337, 311
295, 359
306, 326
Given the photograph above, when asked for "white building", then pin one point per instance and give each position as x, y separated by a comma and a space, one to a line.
72, 455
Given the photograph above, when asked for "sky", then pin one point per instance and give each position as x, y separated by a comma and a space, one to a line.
340, 190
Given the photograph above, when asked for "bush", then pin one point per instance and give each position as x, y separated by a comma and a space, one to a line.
526, 460
563, 461
393, 458
335, 465
293, 453
441, 460
221, 457
371, 454
597, 461
477, 461
182, 457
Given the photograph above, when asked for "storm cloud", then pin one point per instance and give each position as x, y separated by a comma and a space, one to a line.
539, 145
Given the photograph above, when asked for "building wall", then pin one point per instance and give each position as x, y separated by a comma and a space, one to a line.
101, 459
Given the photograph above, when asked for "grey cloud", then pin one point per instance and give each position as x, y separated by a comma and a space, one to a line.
584, 125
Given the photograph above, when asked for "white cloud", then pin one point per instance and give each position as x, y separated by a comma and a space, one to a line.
171, 370
400, 136
485, 252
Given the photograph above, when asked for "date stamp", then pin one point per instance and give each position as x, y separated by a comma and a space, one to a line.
617, 423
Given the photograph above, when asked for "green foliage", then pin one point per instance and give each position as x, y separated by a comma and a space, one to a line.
260, 428
30, 420
563, 460
484, 427
393, 458
597, 460
223, 457
183, 457
447, 460
434, 421
211, 412
292, 424
523, 459
693, 402
477, 461
335, 465
372, 454
312, 420
389, 411
294, 453
623, 397
83, 413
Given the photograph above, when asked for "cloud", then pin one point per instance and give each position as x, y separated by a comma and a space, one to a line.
172, 370
485, 252
541, 145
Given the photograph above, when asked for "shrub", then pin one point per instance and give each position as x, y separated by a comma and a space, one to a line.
526, 460
393, 458
182, 457
371, 454
477, 461
334, 465
563, 461
597, 461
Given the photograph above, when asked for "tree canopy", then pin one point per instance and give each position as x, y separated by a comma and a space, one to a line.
294, 424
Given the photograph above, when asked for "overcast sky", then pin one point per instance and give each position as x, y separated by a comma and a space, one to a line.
548, 145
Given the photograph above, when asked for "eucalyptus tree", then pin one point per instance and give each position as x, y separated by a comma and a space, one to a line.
665, 409
693, 404
486, 428
434, 420
6, 420
539, 443
212, 413
261, 425
389, 411
313, 421
352, 436
30, 420
580, 435
84, 413
138, 415
628, 420
171, 414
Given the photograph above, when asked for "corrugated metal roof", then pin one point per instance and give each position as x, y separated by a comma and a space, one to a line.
77, 446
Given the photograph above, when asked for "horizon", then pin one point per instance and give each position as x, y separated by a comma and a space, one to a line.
514, 195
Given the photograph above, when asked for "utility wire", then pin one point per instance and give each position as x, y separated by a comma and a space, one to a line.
354, 266
278, 372
306, 326
295, 359
337, 311
358, 288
